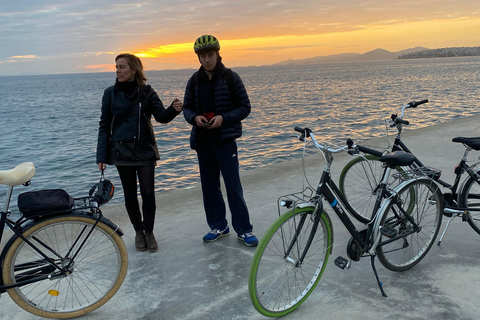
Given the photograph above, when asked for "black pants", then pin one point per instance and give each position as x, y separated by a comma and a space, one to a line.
214, 159
128, 176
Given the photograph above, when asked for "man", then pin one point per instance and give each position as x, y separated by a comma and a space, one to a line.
215, 104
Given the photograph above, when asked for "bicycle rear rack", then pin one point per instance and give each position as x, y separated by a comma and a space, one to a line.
429, 172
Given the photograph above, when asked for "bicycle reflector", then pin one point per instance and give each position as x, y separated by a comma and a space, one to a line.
103, 190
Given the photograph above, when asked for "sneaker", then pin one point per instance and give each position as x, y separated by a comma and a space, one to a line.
215, 234
249, 239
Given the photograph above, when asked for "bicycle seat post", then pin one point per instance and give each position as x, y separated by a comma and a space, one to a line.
8, 197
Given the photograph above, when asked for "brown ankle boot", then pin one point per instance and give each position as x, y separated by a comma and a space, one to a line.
152, 245
140, 243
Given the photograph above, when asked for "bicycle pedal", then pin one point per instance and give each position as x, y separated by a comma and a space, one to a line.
388, 231
342, 263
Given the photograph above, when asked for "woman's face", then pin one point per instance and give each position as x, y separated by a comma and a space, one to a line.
124, 72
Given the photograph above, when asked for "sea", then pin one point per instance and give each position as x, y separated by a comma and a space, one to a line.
52, 120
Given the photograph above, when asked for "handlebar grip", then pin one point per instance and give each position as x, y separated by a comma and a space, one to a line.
304, 131
402, 121
349, 143
415, 104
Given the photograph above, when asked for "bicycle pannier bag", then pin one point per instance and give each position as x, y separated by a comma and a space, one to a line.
37, 203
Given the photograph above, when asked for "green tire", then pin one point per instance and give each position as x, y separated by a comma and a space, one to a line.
277, 282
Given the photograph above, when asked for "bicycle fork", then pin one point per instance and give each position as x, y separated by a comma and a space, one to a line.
316, 220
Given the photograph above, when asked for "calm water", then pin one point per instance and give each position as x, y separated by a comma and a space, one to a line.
52, 120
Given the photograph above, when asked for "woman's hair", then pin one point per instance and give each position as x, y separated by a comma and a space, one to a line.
136, 64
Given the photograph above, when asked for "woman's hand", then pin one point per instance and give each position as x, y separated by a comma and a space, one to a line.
177, 105
102, 166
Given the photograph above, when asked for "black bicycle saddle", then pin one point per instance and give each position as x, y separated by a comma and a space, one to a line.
473, 143
397, 158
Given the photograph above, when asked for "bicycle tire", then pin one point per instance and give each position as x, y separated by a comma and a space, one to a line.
358, 183
470, 198
277, 285
426, 210
98, 272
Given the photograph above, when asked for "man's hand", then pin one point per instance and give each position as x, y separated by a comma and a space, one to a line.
216, 122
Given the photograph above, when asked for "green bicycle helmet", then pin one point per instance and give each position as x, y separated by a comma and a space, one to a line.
206, 41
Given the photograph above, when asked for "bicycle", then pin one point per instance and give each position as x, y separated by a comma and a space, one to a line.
292, 255
63, 263
360, 178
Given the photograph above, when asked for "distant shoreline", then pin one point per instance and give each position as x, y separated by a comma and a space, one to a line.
443, 53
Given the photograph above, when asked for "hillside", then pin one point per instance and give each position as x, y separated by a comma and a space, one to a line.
377, 54
444, 52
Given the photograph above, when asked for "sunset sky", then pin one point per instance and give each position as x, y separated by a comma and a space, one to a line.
58, 36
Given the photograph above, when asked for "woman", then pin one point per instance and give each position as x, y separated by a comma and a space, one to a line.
126, 140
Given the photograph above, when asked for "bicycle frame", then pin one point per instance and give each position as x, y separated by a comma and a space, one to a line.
330, 192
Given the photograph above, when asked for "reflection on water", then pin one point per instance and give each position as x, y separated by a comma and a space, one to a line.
53, 120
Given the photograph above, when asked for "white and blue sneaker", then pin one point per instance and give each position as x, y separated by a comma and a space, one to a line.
215, 234
249, 239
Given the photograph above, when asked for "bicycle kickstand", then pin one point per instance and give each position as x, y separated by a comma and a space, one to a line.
445, 230
380, 284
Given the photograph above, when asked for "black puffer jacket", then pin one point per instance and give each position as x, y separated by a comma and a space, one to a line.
233, 113
137, 124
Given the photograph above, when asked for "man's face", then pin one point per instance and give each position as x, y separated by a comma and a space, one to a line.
208, 60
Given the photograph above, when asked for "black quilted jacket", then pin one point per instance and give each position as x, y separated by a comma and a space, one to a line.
233, 113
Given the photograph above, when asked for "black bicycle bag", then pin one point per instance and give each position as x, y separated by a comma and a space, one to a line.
44, 202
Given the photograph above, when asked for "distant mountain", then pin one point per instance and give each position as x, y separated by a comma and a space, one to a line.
377, 54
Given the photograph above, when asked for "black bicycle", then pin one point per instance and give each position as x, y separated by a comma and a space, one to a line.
360, 178
60, 263
292, 255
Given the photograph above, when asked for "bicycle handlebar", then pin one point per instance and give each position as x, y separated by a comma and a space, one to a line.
355, 149
412, 104
307, 132
415, 104
399, 119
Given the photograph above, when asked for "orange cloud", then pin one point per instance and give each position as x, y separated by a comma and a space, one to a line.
101, 67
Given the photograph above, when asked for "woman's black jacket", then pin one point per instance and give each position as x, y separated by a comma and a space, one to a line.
136, 126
